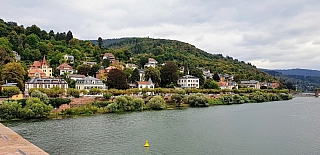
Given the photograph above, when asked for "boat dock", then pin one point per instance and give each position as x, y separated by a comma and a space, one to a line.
12, 143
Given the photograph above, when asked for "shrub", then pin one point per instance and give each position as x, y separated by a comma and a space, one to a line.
56, 102
107, 95
157, 103
215, 102
138, 103
112, 107
198, 100
226, 99
10, 110
124, 103
42, 96
36, 109
73, 92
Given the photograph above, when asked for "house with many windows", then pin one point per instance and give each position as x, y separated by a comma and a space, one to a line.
188, 81
251, 84
46, 83
89, 82
40, 69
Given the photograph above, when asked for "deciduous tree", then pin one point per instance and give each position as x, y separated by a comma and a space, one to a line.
117, 79
14, 73
169, 73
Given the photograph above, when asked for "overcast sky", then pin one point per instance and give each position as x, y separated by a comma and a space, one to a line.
270, 34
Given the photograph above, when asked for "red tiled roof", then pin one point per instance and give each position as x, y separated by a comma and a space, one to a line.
108, 55
64, 65
221, 83
143, 82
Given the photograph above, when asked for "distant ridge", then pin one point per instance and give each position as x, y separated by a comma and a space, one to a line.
298, 71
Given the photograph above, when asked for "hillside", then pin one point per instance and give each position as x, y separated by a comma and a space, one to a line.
299, 72
33, 43
302, 82
184, 54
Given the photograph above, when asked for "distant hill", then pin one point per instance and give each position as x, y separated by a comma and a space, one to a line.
184, 54
304, 79
300, 72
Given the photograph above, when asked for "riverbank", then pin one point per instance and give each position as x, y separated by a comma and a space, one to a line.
12, 143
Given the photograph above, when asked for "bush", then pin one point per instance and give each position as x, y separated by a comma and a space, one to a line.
157, 103
138, 103
198, 100
215, 102
107, 95
124, 103
56, 102
42, 96
259, 97
10, 110
36, 109
112, 107
285, 96
226, 99
238, 99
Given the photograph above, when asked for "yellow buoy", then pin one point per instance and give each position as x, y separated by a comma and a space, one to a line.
147, 144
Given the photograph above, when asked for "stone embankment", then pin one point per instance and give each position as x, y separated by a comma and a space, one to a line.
13, 144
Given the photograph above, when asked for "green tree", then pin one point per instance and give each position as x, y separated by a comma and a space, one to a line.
169, 73
73, 92
197, 73
14, 73
94, 91
10, 110
35, 108
69, 36
5, 57
94, 69
100, 42
32, 40
34, 29
106, 63
84, 69
211, 84
216, 77
40, 95
10, 91
154, 74
135, 76
128, 72
117, 79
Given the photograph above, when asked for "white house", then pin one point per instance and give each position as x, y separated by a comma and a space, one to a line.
188, 81
133, 66
145, 84
65, 68
151, 63
69, 58
89, 82
251, 84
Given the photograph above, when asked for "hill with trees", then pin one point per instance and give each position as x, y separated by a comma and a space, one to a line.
300, 79
33, 43
184, 54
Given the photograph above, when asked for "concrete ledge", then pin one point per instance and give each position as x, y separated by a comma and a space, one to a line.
12, 143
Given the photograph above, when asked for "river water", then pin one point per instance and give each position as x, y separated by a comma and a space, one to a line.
273, 128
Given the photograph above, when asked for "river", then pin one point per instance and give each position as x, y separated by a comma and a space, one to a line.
283, 127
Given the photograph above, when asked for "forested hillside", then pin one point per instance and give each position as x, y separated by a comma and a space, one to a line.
184, 54
299, 72
301, 82
33, 43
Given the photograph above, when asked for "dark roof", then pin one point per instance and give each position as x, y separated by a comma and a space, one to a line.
47, 80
